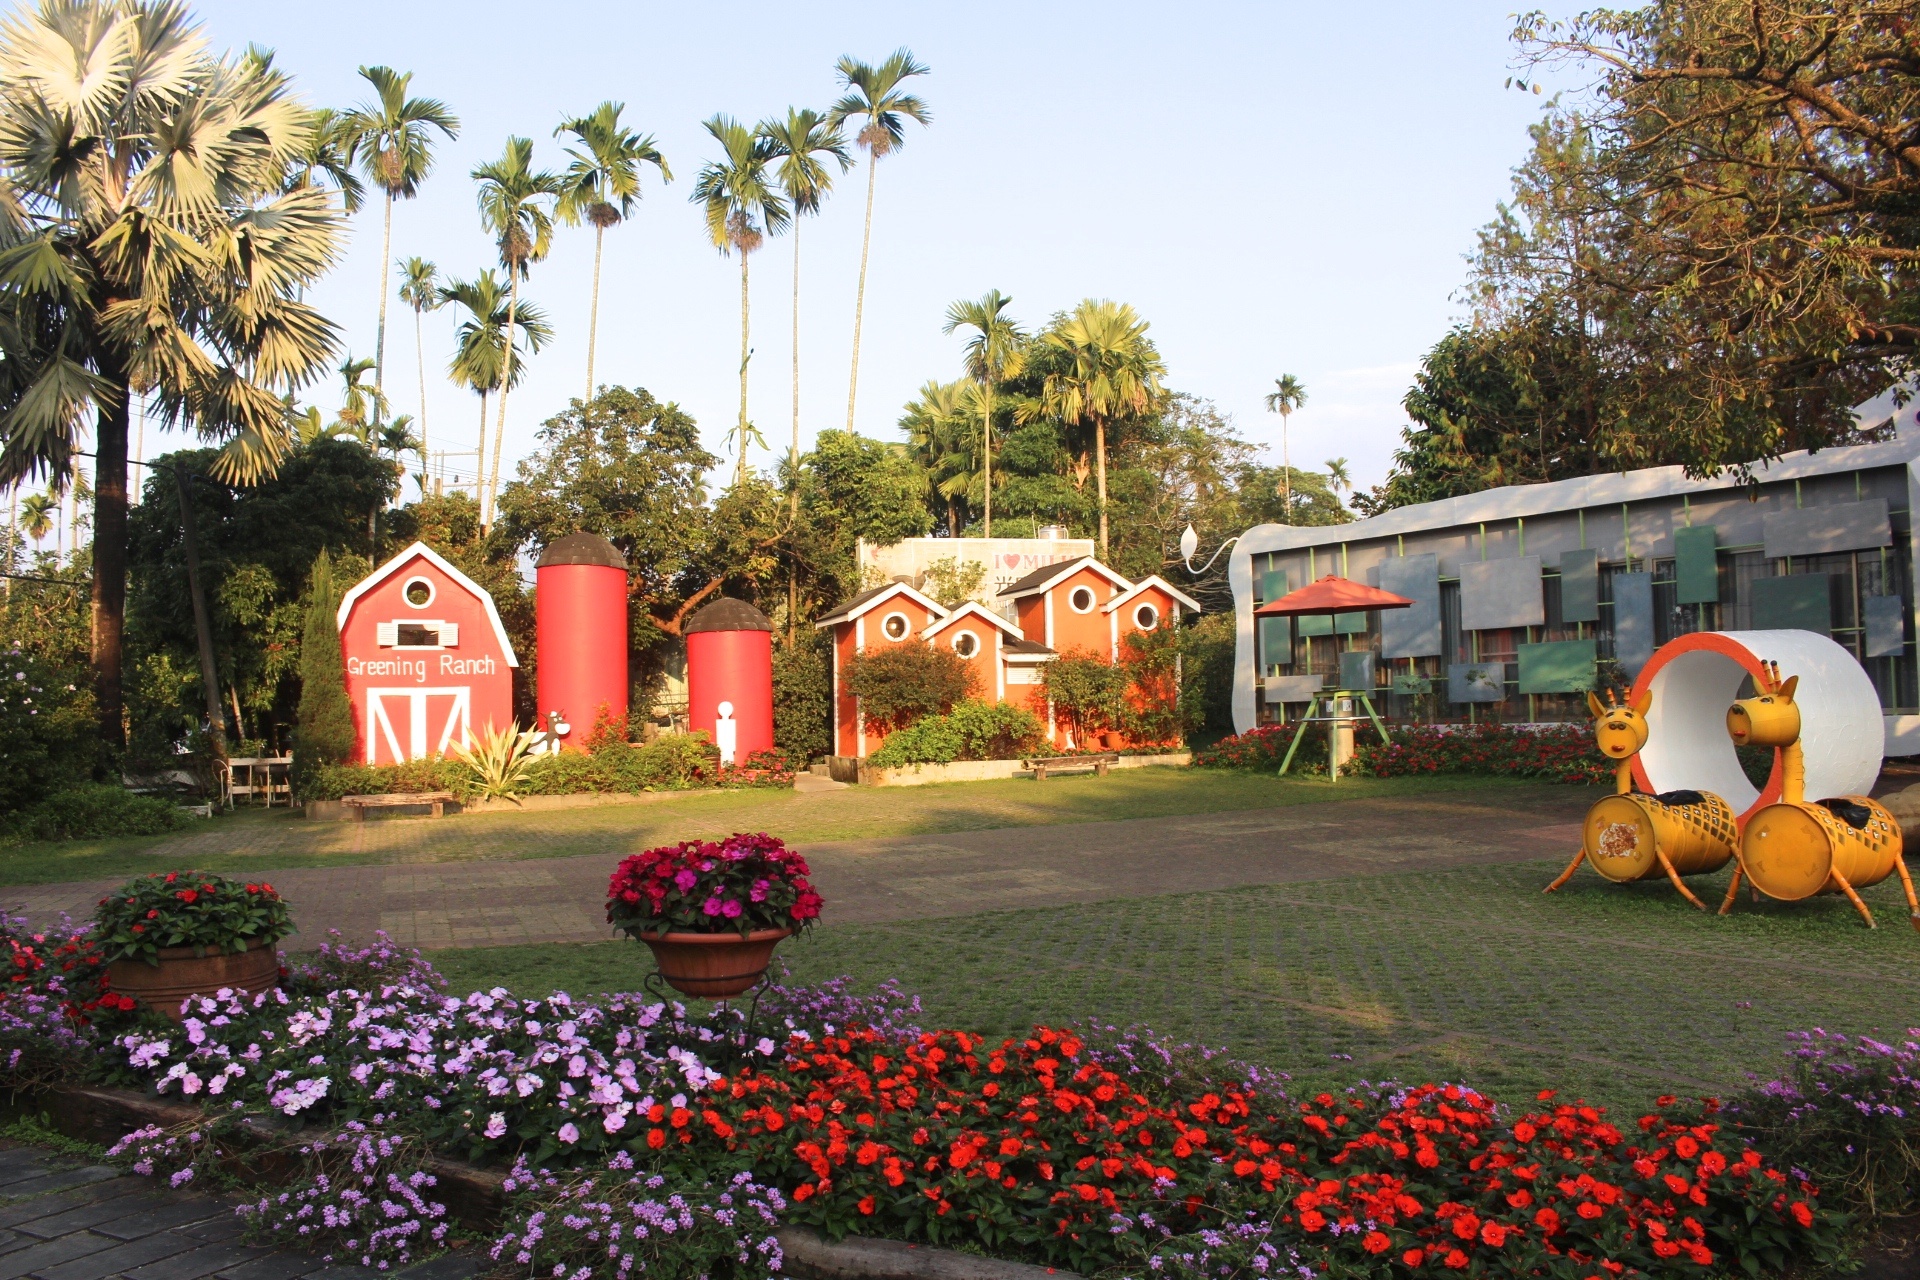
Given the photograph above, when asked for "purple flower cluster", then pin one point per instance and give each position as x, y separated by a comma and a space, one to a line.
1237, 1250
826, 1007
619, 1222
364, 1200
1857, 1072
383, 963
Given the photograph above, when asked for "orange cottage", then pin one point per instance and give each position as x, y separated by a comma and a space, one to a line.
1079, 607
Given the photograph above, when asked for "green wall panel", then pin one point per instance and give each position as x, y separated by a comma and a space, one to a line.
1317, 624
1696, 565
1580, 586
1802, 601
1276, 643
1559, 666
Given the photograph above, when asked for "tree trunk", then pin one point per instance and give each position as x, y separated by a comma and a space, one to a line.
110, 551
1100, 478
506, 381
1286, 474
13, 539
420, 357
986, 449
480, 456
380, 338
793, 455
593, 309
202, 627
745, 353
860, 295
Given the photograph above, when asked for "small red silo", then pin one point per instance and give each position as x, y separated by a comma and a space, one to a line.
730, 659
580, 613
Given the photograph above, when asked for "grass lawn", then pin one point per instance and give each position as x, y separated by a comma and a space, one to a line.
1615, 994
254, 841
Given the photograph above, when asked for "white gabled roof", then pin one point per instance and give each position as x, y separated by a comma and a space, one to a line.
972, 608
1152, 580
422, 551
867, 601
1045, 579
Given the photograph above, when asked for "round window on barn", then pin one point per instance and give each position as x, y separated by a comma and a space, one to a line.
1146, 617
895, 626
418, 592
966, 644
1080, 599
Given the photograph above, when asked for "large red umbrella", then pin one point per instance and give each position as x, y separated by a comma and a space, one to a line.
1332, 594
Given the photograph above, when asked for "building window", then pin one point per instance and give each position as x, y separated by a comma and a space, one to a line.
895, 626
966, 644
418, 592
1146, 617
1080, 599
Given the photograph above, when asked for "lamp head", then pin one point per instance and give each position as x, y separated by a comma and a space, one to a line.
1189, 543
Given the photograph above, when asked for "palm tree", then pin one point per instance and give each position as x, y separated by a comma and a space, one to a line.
602, 186
993, 355
742, 209
939, 439
151, 243
362, 407
797, 141
394, 138
1338, 477
878, 100
514, 200
327, 159
420, 289
1100, 367
37, 516
479, 359
1287, 395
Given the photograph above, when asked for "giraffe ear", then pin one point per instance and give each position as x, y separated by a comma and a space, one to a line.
1594, 705
1786, 690
1644, 702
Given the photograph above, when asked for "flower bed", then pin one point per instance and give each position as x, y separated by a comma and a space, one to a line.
677, 762
1553, 753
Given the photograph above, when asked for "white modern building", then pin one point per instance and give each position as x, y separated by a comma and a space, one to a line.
1528, 595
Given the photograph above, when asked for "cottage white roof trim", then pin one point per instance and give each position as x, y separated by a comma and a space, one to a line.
878, 597
972, 609
421, 551
1151, 580
1062, 571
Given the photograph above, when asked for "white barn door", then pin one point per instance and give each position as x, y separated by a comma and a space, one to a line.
442, 717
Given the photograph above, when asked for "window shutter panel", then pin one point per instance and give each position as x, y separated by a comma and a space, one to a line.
386, 634
449, 635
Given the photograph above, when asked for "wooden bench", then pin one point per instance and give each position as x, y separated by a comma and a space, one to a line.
1061, 764
393, 799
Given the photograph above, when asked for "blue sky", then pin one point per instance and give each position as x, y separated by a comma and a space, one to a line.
1278, 188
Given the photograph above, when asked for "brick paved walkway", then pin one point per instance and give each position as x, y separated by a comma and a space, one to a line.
64, 1219
478, 904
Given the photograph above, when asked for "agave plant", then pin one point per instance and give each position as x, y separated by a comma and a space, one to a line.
501, 762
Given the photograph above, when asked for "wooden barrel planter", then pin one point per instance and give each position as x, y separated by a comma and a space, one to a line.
182, 973
713, 966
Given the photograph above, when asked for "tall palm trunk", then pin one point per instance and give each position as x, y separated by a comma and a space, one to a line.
420, 357
380, 337
1100, 477
793, 454
745, 353
1286, 474
860, 295
506, 381
593, 309
202, 628
110, 549
986, 449
13, 538
480, 456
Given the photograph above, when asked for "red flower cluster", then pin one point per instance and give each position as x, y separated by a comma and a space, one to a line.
1555, 753
743, 883
79, 962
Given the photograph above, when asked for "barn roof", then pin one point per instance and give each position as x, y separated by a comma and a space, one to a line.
421, 551
728, 614
582, 548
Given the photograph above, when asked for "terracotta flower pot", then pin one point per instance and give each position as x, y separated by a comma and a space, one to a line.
713, 966
181, 973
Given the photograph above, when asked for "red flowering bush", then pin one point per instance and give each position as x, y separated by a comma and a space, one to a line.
743, 883
1264, 748
188, 909
1554, 753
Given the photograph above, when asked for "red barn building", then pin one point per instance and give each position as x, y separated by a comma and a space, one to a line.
1078, 606
428, 662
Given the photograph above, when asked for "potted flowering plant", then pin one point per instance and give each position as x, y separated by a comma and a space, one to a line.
712, 913
181, 933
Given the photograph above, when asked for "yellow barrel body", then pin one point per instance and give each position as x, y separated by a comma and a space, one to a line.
1791, 851
1622, 832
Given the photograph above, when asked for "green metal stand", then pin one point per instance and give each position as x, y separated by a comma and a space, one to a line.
1313, 716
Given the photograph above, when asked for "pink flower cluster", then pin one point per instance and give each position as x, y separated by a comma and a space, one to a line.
740, 884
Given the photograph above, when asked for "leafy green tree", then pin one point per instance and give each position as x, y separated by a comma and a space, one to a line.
854, 489
875, 97
393, 136
324, 732
803, 695
995, 351
602, 186
1287, 395
516, 208
152, 243
741, 208
939, 437
899, 683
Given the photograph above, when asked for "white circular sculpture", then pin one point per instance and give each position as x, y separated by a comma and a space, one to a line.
1695, 678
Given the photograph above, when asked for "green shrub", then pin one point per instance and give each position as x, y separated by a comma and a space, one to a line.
323, 733
899, 683
331, 781
929, 740
675, 762
1089, 694
94, 811
46, 727
973, 730
802, 696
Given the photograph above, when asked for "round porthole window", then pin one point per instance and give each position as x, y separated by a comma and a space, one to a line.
1080, 599
895, 626
418, 592
966, 644
1146, 617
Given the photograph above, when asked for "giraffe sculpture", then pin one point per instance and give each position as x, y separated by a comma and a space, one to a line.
1635, 836
1796, 848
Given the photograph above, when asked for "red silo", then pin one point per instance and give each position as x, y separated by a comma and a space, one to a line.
730, 659
580, 612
